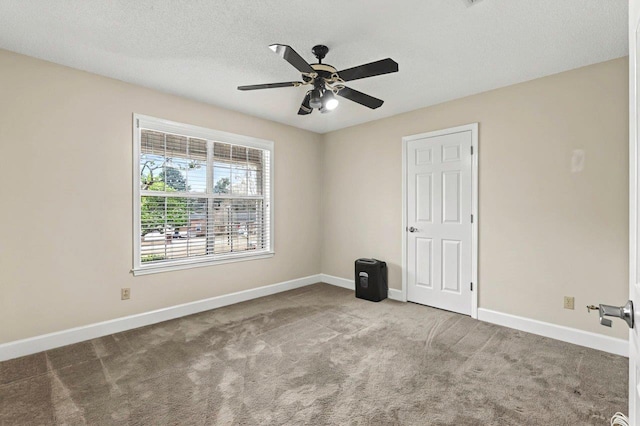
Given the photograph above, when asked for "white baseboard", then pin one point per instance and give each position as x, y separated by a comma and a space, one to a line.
337, 281
395, 294
566, 334
350, 285
45, 342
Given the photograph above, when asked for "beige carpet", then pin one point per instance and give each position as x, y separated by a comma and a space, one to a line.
316, 356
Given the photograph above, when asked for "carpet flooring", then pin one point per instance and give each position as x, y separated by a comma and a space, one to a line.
316, 356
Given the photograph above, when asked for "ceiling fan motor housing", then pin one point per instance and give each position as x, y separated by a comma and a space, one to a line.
320, 51
324, 71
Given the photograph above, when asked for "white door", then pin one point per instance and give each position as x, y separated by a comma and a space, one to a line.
438, 217
634, 186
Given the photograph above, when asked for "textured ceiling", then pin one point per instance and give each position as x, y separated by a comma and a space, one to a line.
204, 49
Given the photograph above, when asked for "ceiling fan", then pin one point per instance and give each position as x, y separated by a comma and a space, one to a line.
326, 81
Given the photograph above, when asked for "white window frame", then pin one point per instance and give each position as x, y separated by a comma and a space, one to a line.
143, 122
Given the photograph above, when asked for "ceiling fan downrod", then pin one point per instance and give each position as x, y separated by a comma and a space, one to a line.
320, 51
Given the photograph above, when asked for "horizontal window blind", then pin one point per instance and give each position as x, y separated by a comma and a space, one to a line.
201, 199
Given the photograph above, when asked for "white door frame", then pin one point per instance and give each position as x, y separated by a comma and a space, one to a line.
634, 29
474, 206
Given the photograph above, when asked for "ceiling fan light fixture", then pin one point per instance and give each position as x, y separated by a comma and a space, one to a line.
315, 101
329, 101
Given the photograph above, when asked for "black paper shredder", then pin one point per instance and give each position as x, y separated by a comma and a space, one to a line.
371, 279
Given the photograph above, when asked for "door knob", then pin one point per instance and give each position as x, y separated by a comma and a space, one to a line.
623, 312
412, 229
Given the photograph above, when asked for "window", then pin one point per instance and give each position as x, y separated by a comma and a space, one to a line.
201, 196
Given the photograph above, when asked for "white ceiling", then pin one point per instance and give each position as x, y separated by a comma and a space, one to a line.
204, 49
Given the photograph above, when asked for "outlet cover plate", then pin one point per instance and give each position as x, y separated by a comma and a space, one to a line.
569, 302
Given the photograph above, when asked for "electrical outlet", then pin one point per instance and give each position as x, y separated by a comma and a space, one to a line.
569, 302
125, 293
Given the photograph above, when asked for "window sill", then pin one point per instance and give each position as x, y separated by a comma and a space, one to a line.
197, 263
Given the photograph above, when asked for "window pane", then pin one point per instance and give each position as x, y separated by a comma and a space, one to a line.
196, 233
239, 170
197, 166
254, 156
153, 218
254, 186
152, 159
176, 146
239, 179
238, 225
221, 152
173, 228
153, 224
255, 163
239, 154
172, 163
176, 163
197, 177
174, 175
221, 179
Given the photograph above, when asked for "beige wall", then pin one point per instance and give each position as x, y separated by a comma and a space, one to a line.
66, 191
66, 244
544, 232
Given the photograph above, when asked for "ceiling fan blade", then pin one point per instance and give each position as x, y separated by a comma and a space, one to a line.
291, 56
383, 66
361, 98
305, 109
270, 85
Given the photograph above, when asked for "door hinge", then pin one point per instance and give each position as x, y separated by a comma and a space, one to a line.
471, 149
471, 286
138, 123
471, 218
